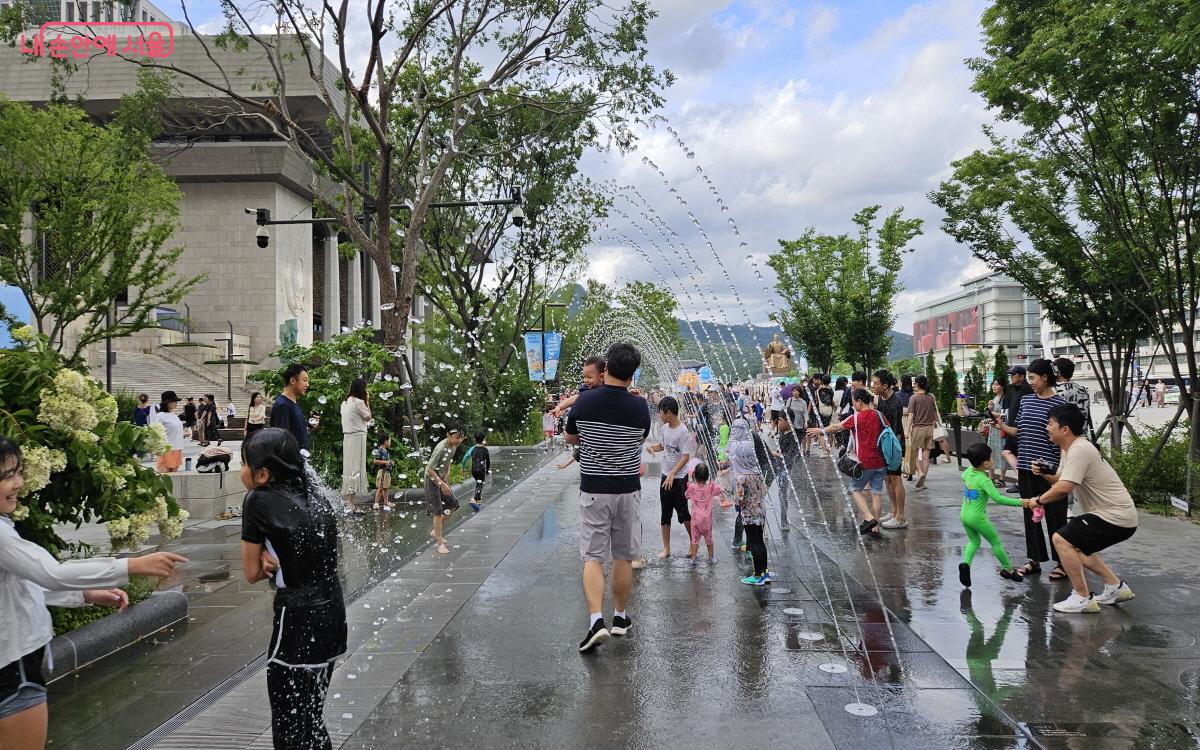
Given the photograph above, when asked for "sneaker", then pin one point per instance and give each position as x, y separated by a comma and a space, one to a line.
735, 548
920, 482
597, 635
712, 561
638, 564
476, 506
1114, 594
621, 625
377, 506
767, 577
1077, 604
887, 517
1014, 490
964, 574
753, 580
894, 523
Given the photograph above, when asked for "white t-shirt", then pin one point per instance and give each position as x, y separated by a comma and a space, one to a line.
675, 441
1097, 487
171, 425
777, 398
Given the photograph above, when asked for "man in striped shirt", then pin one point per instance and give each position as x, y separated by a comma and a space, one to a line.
1034, 446
610, 424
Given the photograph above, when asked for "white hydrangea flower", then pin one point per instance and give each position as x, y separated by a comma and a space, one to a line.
154, 440
20, 513
106, 408
23, 333
38, 463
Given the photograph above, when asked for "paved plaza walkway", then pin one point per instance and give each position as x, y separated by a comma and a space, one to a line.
478, 648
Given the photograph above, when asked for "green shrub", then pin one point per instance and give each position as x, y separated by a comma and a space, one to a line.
67, 619
127, 401
80, 460
1152, 482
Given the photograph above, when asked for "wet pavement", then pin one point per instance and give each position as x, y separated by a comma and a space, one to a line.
479, 647
128, 695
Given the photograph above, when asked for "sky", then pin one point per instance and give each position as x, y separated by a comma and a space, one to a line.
800, 113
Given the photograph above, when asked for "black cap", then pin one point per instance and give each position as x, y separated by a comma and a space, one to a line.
1016, 370
169, 397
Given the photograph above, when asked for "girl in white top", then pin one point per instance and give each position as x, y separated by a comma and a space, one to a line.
356, 418
30, 579
172, 425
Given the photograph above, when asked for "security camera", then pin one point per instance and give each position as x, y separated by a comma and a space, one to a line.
263, 237
518, 216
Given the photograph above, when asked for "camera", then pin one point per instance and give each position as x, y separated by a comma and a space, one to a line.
262, 237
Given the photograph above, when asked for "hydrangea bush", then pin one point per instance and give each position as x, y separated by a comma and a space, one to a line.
81, 462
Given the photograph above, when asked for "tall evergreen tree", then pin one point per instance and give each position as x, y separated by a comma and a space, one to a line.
947, 390
1000, 368
932, 374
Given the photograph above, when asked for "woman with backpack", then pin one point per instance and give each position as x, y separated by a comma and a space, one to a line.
865, 426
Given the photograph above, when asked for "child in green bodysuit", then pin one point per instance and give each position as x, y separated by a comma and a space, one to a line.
978, 487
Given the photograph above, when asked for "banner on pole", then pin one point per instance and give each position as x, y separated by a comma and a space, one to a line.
553, 347
533, 356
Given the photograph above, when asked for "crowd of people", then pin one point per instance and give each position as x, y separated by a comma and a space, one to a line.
729, 445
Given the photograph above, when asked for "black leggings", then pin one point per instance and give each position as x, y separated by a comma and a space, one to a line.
757, 547
479, 479
298, 706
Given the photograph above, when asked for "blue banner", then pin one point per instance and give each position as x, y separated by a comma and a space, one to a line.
533, 356
637, 374
553, 347
706, 374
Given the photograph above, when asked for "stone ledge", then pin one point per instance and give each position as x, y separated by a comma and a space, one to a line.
96, 640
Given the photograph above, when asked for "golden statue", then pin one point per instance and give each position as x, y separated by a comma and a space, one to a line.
777, 359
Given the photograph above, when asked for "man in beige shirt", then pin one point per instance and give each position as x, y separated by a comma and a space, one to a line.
1109, 516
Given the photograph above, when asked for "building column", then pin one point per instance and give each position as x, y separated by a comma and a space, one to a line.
373, 293
354, 291
331, 315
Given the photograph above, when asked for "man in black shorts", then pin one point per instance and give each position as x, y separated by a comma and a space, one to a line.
1109, 516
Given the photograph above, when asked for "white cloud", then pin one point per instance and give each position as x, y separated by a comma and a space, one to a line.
785, 157
820, 21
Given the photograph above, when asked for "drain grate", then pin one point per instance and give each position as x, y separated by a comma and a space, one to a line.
212, 696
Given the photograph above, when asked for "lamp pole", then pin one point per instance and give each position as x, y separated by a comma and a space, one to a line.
541, 329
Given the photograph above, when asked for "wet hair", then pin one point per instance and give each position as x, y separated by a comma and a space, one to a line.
700, 473
480, 436
358, 389
886, 377
921, 382
293, 371
597, 362
275, 450
1069, 416
978, 454
1065, 367
11, 461
860, 376
623, 360
862, 395
668, 405
455, 427
906, 383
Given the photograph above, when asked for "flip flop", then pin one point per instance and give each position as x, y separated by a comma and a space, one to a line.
1058, 574
1030, 569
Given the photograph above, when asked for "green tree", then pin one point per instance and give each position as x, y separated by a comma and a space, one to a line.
1031, 215
931, 374
973, 385
838, 290
1000, 365
1107, 93
406, 87
947, 389
85, 218
906, 366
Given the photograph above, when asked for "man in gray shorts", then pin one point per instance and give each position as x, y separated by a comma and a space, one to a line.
609, 424
439, 498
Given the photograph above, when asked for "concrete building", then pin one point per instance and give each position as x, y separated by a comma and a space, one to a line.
296, 290
989, 311
1151, 361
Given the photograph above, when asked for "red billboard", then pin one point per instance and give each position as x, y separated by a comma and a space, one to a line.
934, 333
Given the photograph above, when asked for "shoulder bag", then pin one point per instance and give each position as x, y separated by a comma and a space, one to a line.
849, 464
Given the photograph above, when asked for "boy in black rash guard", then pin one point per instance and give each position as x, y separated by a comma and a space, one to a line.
280, 516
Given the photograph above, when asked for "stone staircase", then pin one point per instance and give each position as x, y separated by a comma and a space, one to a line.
152, 374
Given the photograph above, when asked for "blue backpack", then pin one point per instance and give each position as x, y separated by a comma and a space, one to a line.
889, 445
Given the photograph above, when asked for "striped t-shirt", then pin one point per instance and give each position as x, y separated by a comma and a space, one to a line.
1033, 444
611, 424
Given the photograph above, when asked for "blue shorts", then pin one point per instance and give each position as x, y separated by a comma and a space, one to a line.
22, 685
872, 478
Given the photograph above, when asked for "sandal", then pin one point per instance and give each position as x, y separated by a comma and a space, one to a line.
1030, 568
1058, 574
